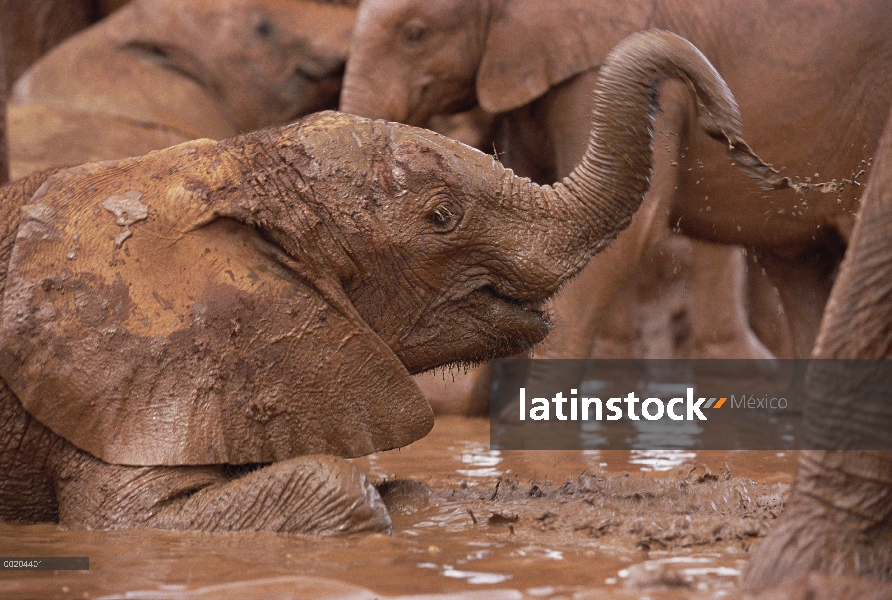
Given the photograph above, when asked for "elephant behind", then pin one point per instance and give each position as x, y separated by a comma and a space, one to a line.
160, 72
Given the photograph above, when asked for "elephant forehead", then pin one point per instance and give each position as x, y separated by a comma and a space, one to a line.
425, 156
372, 158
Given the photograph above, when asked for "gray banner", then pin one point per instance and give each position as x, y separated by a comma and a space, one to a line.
45, 563
691, 404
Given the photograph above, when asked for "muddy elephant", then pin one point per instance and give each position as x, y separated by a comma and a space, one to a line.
184, 335
838, 517
808, 93
161, 72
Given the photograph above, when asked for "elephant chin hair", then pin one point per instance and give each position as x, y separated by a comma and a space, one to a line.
511, 346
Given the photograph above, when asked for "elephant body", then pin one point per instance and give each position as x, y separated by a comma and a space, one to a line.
187, 331
158, 73
811, 96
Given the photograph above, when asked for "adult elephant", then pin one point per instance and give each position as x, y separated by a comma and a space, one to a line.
813, 83
161, 72
178, 331
838, 517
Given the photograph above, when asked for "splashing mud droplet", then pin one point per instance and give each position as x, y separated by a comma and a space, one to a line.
770, 178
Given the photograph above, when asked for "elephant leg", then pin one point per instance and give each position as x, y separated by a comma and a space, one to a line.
804, 286
837, 519
719, 319
27, 490
4, 144
839, 515
620, 337
317, 495
767, 315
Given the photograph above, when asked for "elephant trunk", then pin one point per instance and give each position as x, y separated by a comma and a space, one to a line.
580, 215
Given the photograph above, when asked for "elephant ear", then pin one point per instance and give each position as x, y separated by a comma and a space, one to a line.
147, 330
559, 40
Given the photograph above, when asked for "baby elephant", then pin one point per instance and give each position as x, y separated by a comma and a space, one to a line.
183, 334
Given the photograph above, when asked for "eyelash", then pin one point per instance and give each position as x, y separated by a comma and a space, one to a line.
442, 215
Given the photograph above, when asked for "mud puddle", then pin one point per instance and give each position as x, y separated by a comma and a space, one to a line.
520, 524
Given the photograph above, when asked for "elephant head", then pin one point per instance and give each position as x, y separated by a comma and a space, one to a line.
225, 66
268, 296
411, 59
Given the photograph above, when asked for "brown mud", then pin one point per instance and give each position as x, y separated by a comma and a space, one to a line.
469, 523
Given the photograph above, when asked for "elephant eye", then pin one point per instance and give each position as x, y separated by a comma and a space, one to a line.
265, 29
445, 217
414, 32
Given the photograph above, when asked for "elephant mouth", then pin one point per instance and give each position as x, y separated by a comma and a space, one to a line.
535, 308
489, 325
521, 319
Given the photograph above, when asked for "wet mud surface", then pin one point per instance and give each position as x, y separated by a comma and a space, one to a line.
469, 523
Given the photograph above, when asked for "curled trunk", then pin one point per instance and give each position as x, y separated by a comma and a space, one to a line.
580, 215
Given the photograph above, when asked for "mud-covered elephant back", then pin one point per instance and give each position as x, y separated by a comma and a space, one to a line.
145, 330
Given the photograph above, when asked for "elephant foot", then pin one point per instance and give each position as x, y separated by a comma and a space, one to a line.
314, 495
318, 495
836, 521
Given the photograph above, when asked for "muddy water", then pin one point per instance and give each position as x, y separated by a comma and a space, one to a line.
494, 525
